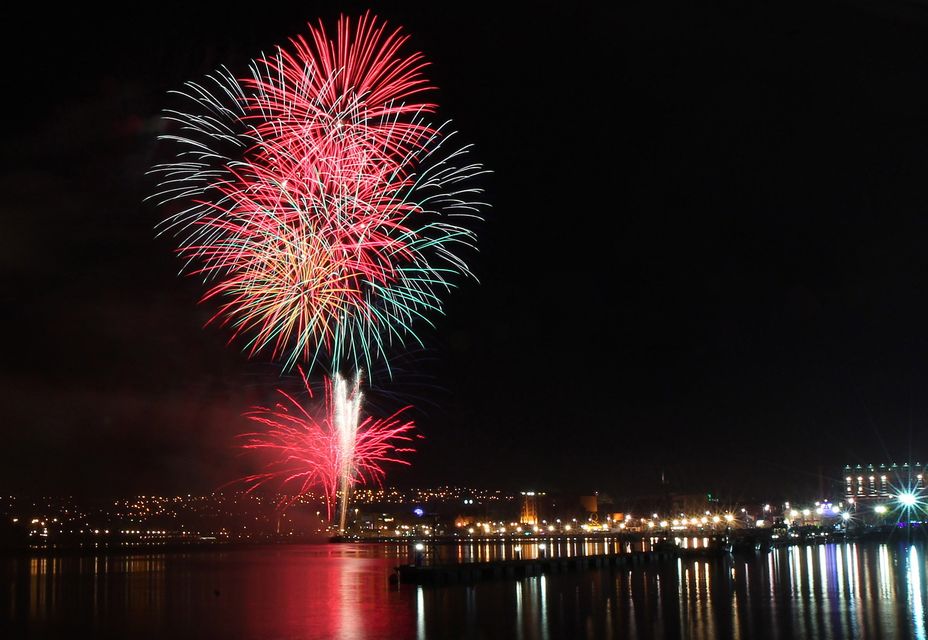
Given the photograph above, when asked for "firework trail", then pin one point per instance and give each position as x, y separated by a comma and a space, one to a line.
318, 203
347, 412
332, 449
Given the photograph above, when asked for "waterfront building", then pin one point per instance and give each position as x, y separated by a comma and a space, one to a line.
528, 513
865, 482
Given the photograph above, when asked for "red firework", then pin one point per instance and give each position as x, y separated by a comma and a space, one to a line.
305, 449
357, 88
318, 235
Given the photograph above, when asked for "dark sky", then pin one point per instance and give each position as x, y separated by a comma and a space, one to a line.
706, 252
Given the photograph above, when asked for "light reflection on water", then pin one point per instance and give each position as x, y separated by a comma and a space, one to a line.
342, 591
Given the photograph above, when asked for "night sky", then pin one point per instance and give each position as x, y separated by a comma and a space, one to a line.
705, 254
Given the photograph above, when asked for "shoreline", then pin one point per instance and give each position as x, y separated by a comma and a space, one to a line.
739, 540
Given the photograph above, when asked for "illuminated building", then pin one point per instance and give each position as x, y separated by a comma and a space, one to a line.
879, 482
528, 514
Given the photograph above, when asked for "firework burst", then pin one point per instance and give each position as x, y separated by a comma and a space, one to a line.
333, 449
317, 201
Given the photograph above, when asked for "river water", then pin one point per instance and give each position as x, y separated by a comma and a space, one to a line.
342, 591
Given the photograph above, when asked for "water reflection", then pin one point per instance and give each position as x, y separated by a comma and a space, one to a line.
483, 550
342, 591
914, 587
420, 613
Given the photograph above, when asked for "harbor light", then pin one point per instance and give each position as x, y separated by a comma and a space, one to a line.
908, 499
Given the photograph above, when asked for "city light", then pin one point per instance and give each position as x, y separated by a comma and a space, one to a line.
908, 499
904, 503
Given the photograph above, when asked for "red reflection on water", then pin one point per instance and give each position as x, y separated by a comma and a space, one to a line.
337, 594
